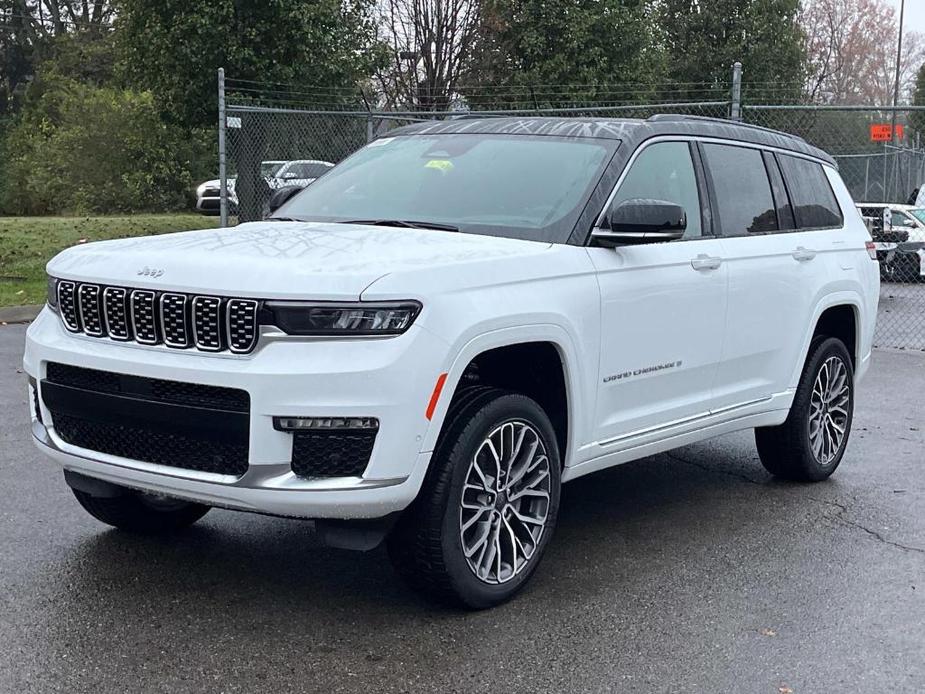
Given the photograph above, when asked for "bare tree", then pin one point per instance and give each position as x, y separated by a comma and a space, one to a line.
429, 43
851, 48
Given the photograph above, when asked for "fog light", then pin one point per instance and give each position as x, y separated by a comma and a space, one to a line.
325, 423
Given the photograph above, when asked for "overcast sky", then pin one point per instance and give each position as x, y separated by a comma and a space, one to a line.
915, 15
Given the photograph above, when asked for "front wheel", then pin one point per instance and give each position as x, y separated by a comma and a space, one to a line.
488, 506
810, 444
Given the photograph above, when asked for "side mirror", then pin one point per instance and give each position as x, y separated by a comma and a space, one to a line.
280, 197
641, 220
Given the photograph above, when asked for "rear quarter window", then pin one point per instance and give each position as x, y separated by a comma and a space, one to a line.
814, 203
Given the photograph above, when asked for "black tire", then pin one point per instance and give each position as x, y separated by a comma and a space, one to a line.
141, 513
787, 450
426, 545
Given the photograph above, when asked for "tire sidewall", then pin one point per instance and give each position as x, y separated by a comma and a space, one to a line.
472, 590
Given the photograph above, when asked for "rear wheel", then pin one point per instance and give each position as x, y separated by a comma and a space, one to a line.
810, 444
141, 513
488, 506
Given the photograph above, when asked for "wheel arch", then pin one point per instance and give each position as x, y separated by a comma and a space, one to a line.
828, 319
551, 336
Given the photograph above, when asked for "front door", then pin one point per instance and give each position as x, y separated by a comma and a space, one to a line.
663, 307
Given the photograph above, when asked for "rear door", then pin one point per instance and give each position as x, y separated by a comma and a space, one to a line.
776, 213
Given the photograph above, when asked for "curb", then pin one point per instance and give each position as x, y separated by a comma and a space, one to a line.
19, 314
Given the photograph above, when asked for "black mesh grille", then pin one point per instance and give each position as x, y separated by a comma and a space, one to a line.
175, 450
180, 321
159, 390
331, 454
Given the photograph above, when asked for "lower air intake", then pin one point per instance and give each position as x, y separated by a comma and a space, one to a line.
331, 454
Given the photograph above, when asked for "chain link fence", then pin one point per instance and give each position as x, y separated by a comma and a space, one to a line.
273, 136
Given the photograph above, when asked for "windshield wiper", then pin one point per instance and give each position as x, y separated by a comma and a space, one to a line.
283, 219
406, 223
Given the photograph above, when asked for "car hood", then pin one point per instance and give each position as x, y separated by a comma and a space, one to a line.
276, 260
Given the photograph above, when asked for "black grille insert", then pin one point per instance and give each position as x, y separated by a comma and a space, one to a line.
182, 425
331, 453
162, 448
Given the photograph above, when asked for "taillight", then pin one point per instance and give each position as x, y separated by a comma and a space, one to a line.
871, 250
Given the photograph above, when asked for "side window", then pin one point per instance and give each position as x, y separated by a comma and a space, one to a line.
743, 192
814, 203
665, 171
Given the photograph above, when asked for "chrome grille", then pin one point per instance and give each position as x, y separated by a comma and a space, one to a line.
176, 320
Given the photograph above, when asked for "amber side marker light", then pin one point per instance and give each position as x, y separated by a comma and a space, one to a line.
435, 397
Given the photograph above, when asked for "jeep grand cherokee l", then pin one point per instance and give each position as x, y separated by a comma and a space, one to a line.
422, 346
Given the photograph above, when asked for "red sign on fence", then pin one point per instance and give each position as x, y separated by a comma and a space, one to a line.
883, 132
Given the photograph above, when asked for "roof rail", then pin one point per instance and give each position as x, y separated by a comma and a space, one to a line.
670, 117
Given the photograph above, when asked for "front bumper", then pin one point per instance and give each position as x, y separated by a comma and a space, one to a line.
390, 379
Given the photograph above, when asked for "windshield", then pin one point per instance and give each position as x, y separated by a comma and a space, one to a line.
918, 213
528, 187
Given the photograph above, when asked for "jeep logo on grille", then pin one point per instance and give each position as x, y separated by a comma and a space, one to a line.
150, 272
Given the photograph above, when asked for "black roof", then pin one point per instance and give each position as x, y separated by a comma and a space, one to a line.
632, 131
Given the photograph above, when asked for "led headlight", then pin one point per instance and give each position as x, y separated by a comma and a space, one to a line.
360, 318
52, 298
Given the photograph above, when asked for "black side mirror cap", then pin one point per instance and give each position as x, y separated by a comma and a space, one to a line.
641, 220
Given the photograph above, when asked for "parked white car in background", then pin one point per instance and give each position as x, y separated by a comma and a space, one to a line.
902, 255
426, 343
277, 174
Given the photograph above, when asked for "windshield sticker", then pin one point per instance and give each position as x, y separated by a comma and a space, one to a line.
439, 164
380, 143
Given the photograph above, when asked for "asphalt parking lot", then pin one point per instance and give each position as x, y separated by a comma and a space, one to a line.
689, 571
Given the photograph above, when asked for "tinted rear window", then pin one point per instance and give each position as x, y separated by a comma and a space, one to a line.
811, 195
742, 189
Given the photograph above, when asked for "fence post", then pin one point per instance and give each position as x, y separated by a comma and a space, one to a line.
735, 107
222, 167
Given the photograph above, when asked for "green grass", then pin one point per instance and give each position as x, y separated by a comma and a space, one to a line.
27, 243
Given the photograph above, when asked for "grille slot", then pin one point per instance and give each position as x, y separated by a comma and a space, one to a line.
331, 453
116, 313
177, 320
88, 304
207, 323
67, 305
242, 325
144, 317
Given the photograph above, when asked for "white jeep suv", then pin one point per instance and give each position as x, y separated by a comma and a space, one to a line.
422, 346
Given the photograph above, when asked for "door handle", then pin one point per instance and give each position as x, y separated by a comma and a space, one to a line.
706, 262
803, 254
